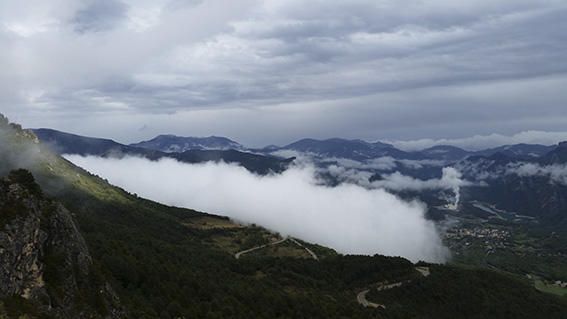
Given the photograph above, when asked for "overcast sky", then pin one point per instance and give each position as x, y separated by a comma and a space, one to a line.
266, 72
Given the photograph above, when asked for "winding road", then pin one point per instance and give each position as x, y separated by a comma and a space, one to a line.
238, 254
361, 298
382, 286
306, 249
309, 251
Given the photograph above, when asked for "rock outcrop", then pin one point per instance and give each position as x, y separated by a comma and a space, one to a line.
44, 260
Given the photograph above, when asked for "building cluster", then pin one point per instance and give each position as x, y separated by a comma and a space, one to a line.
491, 237
478, 232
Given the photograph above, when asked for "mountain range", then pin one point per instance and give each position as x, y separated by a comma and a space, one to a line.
65, 143
358, 150
531, 186
507, 191
179, 144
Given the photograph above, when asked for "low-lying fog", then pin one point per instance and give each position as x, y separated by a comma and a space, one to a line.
348, 218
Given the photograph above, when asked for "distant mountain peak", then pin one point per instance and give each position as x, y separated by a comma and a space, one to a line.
519, 150
170, 143
444, 147
355, 149
445, 152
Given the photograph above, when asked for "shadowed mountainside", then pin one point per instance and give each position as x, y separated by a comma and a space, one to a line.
65, 143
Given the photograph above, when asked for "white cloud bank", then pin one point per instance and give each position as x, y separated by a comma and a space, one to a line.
348, 218
556, 173
450, 180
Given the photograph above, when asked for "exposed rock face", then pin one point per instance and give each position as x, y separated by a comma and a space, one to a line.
43, 257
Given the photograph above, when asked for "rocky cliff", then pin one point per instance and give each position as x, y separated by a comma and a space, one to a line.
45, 266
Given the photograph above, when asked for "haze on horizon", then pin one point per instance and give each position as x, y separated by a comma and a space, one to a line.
270, 72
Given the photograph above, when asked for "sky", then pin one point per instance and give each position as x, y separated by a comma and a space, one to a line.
271, 72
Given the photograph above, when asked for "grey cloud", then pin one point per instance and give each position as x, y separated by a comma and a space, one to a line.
99, 15
373, 70
479, 142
